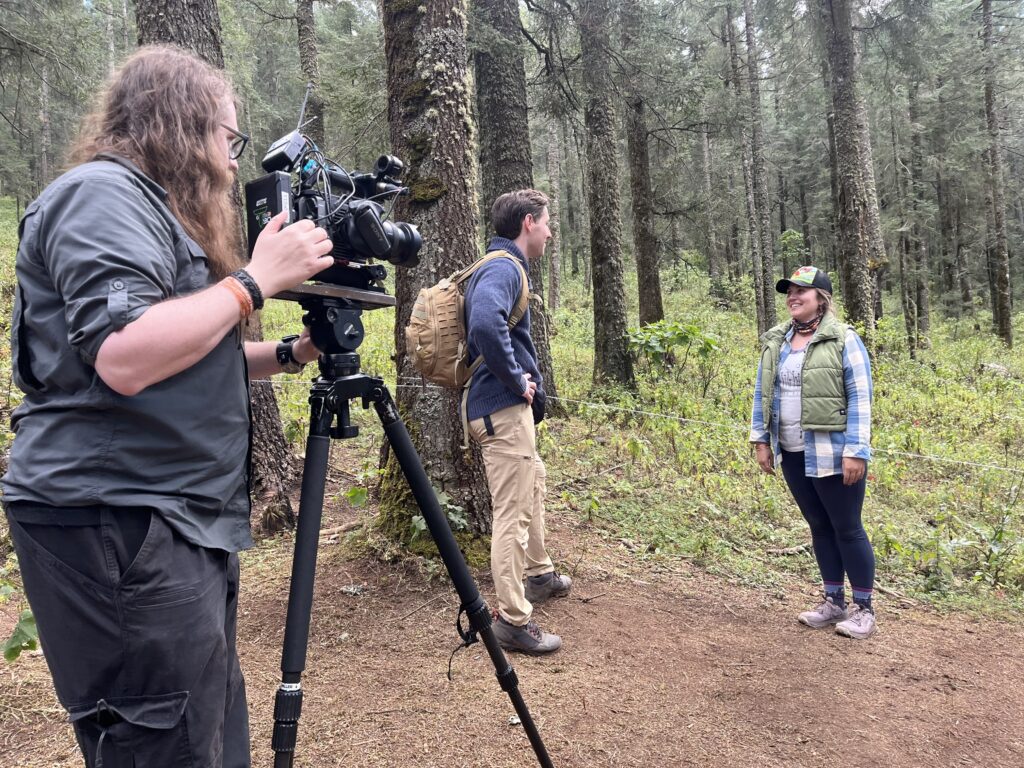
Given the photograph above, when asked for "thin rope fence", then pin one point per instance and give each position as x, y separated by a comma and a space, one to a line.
732, 427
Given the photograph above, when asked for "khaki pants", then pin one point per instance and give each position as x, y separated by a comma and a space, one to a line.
516, 478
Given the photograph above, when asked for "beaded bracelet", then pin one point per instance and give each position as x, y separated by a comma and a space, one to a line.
250, 285
243, 297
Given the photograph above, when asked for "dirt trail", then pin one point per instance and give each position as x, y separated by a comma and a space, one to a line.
662, 666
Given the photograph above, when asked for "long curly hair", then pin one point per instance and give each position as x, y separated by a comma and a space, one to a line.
162, 109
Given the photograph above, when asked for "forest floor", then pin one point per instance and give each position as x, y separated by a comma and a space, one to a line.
662, 665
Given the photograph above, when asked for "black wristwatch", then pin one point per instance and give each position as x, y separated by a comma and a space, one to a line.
286, 356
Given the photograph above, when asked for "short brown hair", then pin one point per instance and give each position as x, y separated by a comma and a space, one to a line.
510, 209
161, 109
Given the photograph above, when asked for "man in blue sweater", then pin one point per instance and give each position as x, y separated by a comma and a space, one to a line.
506, 400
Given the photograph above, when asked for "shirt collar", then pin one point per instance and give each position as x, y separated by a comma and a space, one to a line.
504, 244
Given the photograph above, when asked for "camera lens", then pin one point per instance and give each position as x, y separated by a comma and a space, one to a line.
389, 165
405, 243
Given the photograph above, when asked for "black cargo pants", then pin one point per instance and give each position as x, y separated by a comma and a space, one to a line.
138, 628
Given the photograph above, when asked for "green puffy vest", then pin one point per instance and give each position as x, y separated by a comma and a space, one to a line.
822, 393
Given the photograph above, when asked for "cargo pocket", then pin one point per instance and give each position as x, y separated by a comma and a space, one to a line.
134, 730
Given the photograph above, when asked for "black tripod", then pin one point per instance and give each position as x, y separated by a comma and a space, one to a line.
335, 327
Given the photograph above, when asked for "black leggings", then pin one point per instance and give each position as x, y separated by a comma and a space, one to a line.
832, 510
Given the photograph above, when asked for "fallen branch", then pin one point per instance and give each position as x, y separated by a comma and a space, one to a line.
788, 550
339, 529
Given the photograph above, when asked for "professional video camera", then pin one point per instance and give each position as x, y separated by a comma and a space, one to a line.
347, 205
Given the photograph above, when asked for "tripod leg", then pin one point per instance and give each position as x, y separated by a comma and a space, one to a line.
288, 702
476, 608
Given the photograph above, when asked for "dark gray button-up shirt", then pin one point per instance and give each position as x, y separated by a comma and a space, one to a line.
98, 248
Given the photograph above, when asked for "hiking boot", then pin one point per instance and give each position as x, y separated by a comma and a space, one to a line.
540, 588
528, 638
860, 625
825, 615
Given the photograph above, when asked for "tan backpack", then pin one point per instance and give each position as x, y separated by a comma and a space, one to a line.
435, 337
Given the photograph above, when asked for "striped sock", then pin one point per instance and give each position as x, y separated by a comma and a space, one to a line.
862, 597
835, 591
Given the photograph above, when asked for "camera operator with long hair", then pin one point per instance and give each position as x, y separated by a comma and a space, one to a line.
127, 486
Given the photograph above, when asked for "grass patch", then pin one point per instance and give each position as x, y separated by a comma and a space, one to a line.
669, 474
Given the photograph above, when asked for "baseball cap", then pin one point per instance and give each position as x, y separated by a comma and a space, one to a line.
806, 277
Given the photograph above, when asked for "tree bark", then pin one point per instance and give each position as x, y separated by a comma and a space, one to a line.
919, 246
645, 246
45, 134
110, 12
907, 280
832, 249
571, 238
195, 24
430, 126
963, 274
554, 250
612, 361
309, 63
855, 244
716, 260
1001, 308
192, 24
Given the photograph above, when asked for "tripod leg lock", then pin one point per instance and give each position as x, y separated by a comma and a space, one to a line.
507, 679
479, 616
287, 709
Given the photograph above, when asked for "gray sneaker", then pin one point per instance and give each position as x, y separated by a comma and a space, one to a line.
860, 625
540, 588
528, 638
825, 615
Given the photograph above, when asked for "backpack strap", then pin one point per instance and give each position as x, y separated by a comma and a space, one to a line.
517, 314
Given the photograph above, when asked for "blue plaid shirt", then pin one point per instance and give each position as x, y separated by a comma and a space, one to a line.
824, 451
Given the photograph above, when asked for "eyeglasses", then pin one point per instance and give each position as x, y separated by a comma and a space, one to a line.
238, 143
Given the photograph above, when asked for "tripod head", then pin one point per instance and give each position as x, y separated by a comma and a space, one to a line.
333, 315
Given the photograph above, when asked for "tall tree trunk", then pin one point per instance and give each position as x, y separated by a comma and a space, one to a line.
505, 159
571, 238
877, 259
127, 24
805, 223
832, 251
753, 225
962, 272
1000, 257
645, 244
110, 12
760, 173
45, 133
612, 361
554, 251
908, 292
716, 259
428, 118
309, 63
195, 24
919, 245
854, 236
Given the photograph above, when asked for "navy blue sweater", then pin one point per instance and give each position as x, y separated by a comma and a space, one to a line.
491, 296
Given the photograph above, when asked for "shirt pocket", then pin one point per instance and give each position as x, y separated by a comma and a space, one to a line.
23, 374
196, 274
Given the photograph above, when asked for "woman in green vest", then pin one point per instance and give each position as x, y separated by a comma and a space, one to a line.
812, 416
